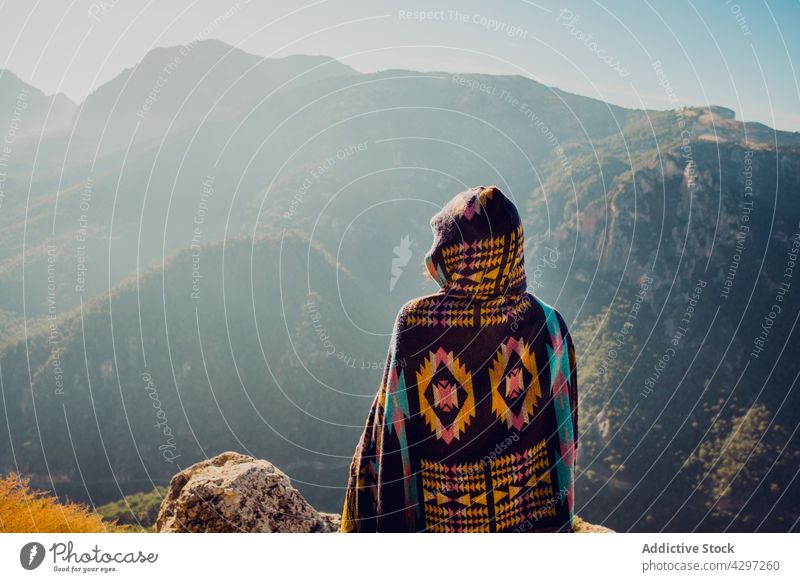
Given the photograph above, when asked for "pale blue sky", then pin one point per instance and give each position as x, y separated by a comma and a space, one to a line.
742, 55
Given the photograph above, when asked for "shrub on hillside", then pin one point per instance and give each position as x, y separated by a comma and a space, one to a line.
139, 510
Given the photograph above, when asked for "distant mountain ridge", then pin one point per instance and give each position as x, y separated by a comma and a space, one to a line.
174, 87
26, 110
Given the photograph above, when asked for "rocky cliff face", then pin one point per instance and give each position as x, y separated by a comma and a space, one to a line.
237, 493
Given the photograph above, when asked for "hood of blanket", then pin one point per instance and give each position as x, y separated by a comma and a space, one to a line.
478, 245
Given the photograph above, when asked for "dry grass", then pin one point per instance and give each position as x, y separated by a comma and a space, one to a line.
23, 509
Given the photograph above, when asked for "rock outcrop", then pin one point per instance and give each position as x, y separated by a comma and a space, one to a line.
237, 493
586, 527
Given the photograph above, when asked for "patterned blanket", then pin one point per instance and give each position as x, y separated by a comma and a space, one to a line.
474, 426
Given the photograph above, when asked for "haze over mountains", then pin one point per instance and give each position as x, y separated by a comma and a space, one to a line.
217, 232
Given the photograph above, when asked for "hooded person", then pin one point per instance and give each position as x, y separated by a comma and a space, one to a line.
474, 426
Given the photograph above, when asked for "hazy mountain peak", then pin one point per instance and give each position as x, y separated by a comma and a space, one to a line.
178, 86
28, 110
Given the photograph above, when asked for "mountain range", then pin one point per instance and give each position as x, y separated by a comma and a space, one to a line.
231, 236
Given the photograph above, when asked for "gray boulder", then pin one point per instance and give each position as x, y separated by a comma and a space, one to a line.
237, 493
